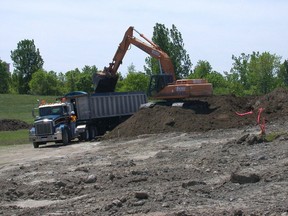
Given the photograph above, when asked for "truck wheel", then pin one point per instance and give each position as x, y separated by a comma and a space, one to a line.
35, 145
92, 133
65, 137
84, 136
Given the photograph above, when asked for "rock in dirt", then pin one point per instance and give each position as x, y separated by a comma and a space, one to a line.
139, 203
117, 202
141, 195
90, 179
242, 139
250, 139
244, 179
82, 169
238, 213
180, 213
192, 183
60, 184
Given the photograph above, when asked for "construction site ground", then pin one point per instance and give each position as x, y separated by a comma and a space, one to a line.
203, 159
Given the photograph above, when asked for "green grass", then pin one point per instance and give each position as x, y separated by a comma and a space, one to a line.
13, 137
13, 106
273, 136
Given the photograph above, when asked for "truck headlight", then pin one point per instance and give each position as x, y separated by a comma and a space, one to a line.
58, 130
32, 132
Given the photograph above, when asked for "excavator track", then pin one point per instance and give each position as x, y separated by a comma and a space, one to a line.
198, 105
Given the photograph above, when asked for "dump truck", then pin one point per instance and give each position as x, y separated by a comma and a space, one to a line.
83, 116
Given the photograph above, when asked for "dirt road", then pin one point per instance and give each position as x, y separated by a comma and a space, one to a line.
219, 172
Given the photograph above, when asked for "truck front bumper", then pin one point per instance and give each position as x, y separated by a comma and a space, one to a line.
46, 138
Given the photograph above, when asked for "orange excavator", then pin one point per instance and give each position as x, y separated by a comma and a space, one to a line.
163, 86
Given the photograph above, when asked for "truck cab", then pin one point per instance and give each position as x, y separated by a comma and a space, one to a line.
53, 124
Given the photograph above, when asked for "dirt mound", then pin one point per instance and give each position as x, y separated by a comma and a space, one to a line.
12, 125
204, 114
275, 103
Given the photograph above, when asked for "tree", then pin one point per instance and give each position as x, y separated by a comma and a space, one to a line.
219, 83
161, 38
263, 70
45, 83
171, 42
134, 81
233, 84
283, 74
180, 58
27, 60
71, 79
240, 67
4, 77
201, 70
62, 83
238, 77
254, 74
84, 81
77, 80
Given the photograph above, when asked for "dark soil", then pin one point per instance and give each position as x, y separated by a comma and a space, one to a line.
204, 114
202, 160
12, 125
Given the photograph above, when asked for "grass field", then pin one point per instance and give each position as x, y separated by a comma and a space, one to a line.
13, 106
20, 107
13, 137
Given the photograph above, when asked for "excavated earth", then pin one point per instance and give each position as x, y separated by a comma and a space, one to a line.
12, 125
202, 159
205, 114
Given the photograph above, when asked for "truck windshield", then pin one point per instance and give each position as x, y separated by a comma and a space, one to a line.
55, 110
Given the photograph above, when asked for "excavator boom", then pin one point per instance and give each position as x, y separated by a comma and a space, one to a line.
162, 86
106, 80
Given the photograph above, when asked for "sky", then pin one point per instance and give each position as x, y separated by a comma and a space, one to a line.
71, 34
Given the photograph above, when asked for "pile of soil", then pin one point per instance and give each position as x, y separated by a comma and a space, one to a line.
204, 114
12, 125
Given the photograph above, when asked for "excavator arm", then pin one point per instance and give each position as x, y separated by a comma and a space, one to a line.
154, 51
106, 80
120, 53
161, 86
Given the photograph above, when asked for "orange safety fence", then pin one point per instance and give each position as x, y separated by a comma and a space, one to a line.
261, 124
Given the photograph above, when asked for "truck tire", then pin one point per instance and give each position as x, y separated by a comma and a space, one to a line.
92, 133
35, 145
65, 137
84, 136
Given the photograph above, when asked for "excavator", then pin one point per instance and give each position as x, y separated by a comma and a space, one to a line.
163, 86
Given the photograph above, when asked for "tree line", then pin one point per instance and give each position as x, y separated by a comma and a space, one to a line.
251, 74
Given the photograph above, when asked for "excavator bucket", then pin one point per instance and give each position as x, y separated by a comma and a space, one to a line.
103, 83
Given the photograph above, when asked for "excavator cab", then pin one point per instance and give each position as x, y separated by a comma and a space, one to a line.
158, 82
